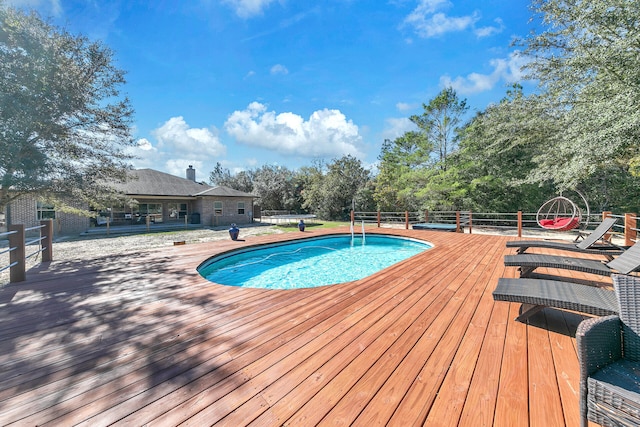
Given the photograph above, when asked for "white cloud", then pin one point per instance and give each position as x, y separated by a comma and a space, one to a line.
53, 6
396, 127
428, 6
489, 30
178, 146
279, 69
248, 8
427, 21
506, 70
175, 134
143, 144
178, 167
145, 153
326, 133
404, 106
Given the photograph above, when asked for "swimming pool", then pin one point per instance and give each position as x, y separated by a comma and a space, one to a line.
309, 263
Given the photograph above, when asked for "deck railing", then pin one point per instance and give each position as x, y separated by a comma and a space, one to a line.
626, 228
18, 245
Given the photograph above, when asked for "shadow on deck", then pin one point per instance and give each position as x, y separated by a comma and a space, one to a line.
143, 339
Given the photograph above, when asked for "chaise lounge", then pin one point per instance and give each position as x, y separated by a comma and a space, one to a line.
625, 263
536, 294
589, 245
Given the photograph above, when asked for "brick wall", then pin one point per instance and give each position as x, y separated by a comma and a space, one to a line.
229, 215
23, 210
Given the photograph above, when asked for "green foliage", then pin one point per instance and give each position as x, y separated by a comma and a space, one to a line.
242, 181
329, 191
276, 188
586, 61
496, 155
398, 161
413, 168
441, 121
332, 194
221, 176
63, 124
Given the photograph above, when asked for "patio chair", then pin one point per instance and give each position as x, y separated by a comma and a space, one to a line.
589, 245
627, 262
609, 357
536, 294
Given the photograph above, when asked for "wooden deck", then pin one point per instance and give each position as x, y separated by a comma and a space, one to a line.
142, 339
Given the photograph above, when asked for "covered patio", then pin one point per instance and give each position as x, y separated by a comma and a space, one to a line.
142, 339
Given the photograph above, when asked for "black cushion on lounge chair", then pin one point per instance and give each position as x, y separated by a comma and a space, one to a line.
535, 294
625, 263
588, 245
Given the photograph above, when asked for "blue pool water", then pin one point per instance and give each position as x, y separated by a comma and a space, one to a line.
310, 262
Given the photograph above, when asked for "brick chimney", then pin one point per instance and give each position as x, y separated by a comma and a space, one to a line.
191, 173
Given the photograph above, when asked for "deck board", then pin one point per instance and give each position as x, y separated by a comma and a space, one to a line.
142, 339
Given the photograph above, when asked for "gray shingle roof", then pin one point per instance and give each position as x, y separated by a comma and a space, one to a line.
224, 191
150, 182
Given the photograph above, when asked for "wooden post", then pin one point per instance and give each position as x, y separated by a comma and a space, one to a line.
406, 220
426, 215
17, 273
46, 232
629, 229
378, 219
607, 236
519, 223
470, 222
458, 229
353, 217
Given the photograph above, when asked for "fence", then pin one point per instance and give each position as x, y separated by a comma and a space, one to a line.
500, 220
18, 245
18, 248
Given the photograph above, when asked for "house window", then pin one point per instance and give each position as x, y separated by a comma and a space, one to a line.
45, 211
217, 208
177, 210
240, 208
117, 214
151, 210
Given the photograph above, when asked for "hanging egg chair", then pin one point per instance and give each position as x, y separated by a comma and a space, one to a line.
561, 214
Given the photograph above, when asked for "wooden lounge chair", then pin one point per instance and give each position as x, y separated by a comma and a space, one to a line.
535, 294
609, 356
589, 245
625, 263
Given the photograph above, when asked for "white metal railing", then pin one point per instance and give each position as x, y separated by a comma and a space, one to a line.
626, 228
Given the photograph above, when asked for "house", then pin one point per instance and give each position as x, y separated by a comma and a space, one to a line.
155, 198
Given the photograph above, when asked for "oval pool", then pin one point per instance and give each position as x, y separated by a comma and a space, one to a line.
309, 263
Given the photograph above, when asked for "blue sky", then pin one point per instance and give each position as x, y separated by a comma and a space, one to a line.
284, 82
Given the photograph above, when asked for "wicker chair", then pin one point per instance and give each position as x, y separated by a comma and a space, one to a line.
609, 355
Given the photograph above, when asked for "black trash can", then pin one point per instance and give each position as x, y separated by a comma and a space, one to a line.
195, 218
